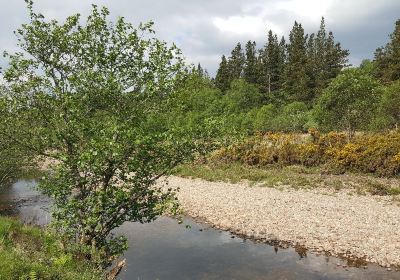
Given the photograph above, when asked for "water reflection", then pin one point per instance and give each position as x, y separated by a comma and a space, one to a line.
22, 200
167, 250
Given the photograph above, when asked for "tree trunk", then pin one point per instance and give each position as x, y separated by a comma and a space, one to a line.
116, 270
350, 133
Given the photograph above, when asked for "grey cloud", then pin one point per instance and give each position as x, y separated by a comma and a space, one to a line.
360, 25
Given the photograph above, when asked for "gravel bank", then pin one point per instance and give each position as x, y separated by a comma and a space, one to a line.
354, 226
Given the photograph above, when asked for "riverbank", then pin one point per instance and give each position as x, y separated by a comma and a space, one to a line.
30, 252
337, 222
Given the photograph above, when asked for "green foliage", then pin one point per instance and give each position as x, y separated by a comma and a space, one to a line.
197, 103
335, 58
242, 97
196, 97
272, 60
349, 102
240, 110
236, 63
33, 253
387, 58
295, 76
303, 66
250, 71
222, 79
368, 66
265, 119
301, 69
389, 108
326, 59
293, 117
369, 153
15, 159
98, 97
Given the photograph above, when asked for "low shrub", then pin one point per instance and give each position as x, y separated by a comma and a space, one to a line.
367, 153
310, 154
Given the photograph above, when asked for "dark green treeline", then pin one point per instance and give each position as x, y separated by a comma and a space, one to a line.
300, 67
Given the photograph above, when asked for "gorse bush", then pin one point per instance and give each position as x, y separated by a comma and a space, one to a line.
262, 149
369, 153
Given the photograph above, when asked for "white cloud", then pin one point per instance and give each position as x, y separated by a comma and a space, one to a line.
245, 25
309, 9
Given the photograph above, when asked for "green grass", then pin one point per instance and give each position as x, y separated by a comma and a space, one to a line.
236, 172
297, 177
28, 252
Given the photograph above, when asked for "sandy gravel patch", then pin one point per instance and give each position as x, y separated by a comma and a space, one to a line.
355, 226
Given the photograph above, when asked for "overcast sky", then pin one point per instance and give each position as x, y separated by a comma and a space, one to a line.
206, 29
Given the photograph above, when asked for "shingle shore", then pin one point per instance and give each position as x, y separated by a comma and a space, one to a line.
344, 225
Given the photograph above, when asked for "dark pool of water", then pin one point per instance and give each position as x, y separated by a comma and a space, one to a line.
165, 249
22, 200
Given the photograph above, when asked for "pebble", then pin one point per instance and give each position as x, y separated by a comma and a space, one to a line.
356, 226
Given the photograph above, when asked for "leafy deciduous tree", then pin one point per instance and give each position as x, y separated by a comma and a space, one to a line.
242, 97
96, 97
349, 102
389, 107
293, 117
266, 118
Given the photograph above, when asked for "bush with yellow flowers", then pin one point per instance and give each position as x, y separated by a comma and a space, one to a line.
368, 153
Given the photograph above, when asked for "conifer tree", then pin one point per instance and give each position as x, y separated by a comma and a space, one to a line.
313, 63
295, 77
200, 70
236, 63
222, 79
260, 68
319, 59
326, 59
388, 58
274, 60
302, 68
250, 72
336, 58
282, 53
262, 65
272, 64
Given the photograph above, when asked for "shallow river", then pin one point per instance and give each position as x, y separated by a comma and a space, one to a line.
165, 249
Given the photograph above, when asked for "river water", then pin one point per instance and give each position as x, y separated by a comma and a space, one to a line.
165, 249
